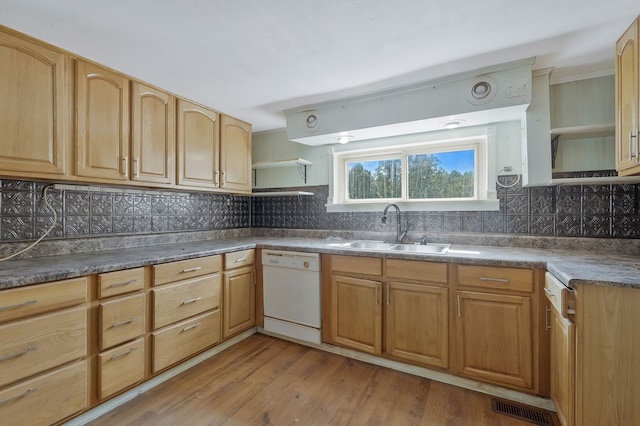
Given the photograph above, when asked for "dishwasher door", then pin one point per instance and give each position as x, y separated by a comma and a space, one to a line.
291, 293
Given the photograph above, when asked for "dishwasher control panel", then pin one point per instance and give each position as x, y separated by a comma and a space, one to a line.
291, 259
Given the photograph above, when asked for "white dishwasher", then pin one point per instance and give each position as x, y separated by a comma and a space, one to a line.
291, 294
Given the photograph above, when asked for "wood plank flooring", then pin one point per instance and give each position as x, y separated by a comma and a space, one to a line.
268, 381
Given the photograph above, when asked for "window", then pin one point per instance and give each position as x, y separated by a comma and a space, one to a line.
433, 175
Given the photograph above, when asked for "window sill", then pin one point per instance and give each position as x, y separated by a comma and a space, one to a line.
437, 206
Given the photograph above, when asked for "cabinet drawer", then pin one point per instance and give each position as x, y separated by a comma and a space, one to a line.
26, 301
121, 319
357, 265
182, 340
179, 301
46, 399
557, 294
512, 279
184, 269
33, 345
238, 259
120, 368
120, 282
416, 270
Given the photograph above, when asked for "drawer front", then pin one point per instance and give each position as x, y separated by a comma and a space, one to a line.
416, 270
184, 269
46, 399
556, 293
120, 282
180, 301
33, 345
121, 319
182, 340
238, 259
512, 279
357, 265
120, 368
26, 301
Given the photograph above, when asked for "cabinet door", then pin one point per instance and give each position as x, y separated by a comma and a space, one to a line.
356, 313
34, 108
562, 347
102, 134
153, 132
416, 323
627, 100
239, 301
198, 146
494, 338
235, 154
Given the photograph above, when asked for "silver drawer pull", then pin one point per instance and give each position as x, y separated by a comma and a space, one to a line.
23, 394
191, 327
19, 305
498, 280
17, 354
549, 292
116, 356
194, 300
244, 259
123, 283
197, 268
123, 322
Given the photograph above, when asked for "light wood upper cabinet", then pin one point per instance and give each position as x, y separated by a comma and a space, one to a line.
198, 140
235, 154
102, 123
153, 133
34, 109
628, 101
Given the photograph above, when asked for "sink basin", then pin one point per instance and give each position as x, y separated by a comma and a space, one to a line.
370, 245
431, 248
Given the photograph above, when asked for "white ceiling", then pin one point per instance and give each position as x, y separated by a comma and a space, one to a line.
255, 58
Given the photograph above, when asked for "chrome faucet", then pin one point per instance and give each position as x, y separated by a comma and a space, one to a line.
400, 233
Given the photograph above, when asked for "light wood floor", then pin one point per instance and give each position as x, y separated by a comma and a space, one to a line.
268, 381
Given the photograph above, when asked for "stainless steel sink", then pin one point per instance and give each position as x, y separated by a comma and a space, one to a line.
430, 248
370, 245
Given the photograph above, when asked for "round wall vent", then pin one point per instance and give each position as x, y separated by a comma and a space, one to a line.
482, 90
312, 121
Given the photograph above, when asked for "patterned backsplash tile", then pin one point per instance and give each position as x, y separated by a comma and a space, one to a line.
604, 211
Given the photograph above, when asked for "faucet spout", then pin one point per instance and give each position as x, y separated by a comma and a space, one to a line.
400, 233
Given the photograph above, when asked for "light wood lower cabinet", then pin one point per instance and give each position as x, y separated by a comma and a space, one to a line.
417, 323
179, 341
121, 319
120, 368
494, 338
239, 301
562, 348
356, 313
46, 399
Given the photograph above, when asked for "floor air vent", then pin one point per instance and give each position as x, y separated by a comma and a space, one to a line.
522, 412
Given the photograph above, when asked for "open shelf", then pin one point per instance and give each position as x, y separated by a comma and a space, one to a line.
280, 193
300, 163
590, 130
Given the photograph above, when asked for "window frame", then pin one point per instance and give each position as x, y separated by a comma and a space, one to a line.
482, 143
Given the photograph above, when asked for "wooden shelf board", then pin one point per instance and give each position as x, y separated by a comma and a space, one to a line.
591, 130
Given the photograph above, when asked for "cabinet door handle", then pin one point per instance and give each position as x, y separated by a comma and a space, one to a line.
547, 325
23, 394
17, 354
244, 259
18, 305
136, 167
216, 179
122, 284
458, 302
388, 295
191, 327
123, 322
377, 296
497, 280
197, 268
224, 179
195, 299
549, 292
116, 356
125, 166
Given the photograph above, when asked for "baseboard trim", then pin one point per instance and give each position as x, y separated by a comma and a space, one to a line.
127, 396
493, 390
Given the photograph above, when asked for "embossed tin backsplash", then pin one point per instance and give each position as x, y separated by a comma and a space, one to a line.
607, 211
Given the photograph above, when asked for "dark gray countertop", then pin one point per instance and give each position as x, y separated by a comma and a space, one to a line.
572, 268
